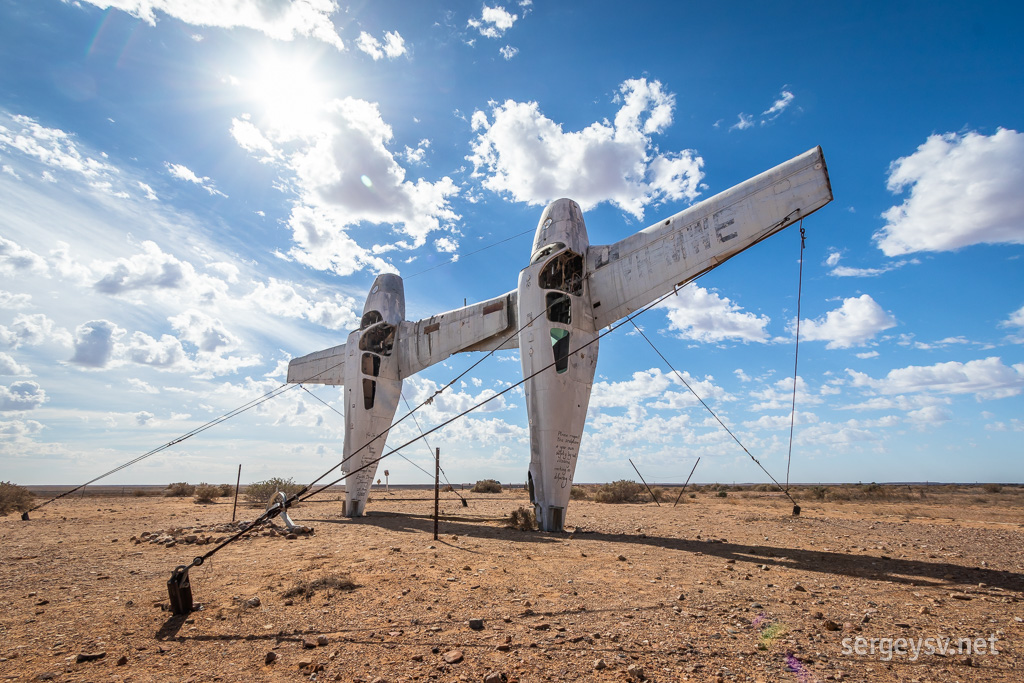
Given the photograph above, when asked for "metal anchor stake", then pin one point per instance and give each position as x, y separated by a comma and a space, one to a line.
179, 588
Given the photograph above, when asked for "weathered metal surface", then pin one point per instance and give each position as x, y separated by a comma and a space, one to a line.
557, 397
633, 272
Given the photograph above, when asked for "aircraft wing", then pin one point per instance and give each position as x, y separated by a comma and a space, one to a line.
321, 367
633, 272
484, 326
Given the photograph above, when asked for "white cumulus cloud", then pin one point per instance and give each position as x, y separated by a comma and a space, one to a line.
964, 190
22, 396
346, 175
279, 19
519, 151
493, 21
855, 322
987, 378
391, 47
705, 316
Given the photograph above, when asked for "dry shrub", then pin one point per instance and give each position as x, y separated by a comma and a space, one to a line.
205, 493
14, 498
487, 486
139, 493
817, 492
873, 490
658, 492
621, 491
226, 490
523, 519
336, 583
180, 489
991, 488
259, 494
578, 493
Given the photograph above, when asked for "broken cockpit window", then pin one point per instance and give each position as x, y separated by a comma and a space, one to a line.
564, 273
559, 308
378, 338
369, 393
560, 348
370, 318
371, 364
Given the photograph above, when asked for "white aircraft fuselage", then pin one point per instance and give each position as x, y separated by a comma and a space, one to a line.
373, 387
558, 351
568, 292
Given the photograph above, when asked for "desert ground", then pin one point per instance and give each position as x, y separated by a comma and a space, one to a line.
718, 588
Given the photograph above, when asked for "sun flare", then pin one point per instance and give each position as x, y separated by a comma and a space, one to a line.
288, 90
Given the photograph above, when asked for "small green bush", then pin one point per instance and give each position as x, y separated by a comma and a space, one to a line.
621, 491
205, 493
722, 494
226, 490
487, 486
259, 494
180, 489
14, 498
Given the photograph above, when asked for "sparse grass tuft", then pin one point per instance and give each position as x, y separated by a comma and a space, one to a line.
522, 519
14, 498
336, 583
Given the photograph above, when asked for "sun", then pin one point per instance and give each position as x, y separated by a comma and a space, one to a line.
287, 90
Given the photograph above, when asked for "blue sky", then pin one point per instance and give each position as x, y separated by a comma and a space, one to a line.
193, 192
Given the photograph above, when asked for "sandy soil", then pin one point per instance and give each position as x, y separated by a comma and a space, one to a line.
716, 589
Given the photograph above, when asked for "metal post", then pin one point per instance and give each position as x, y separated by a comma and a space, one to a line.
687, 482
237, 482
437, 488
645, 483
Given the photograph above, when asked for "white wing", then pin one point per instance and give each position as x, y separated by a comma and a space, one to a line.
321, 367
485, 326
633, 272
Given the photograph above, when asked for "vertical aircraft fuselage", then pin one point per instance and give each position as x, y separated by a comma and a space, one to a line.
558, 319
373, 387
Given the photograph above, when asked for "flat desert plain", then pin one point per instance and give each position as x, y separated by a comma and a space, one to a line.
717, 588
